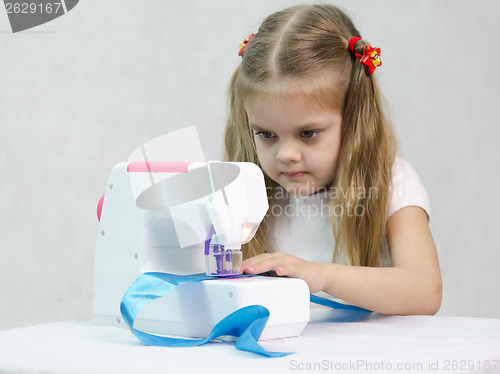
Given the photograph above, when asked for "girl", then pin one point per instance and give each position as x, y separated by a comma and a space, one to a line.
345, 215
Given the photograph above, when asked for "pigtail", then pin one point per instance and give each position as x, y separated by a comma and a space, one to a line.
364, 171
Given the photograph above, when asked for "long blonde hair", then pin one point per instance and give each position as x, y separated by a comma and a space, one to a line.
305, 42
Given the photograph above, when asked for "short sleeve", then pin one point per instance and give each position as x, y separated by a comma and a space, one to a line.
406, 189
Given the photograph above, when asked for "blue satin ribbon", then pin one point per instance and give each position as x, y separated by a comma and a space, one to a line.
335, 305
246, 323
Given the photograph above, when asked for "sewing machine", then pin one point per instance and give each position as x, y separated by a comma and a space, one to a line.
186, 218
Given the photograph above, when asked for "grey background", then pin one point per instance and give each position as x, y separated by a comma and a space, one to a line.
78, 94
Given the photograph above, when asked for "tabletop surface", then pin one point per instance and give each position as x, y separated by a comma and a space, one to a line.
331, 343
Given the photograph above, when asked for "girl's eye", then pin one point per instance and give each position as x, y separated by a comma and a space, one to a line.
309, 134
265, 134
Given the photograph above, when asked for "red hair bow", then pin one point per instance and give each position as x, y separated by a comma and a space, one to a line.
244, 44
370, 56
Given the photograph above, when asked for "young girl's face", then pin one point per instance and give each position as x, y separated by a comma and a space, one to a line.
297, 139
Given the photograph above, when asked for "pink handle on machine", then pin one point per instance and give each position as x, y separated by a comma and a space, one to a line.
159, 166
99, 208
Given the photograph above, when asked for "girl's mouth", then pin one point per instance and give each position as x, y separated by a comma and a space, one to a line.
295, 174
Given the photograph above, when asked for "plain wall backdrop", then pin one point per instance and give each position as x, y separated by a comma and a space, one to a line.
78, 94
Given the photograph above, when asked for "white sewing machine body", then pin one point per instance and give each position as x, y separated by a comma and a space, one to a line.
137, 234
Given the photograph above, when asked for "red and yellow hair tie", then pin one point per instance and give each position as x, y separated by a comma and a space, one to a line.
244, 44
370, 57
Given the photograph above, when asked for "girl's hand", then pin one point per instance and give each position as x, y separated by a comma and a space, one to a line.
286, 264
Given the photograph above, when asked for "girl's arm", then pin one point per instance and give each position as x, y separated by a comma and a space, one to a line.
412, 286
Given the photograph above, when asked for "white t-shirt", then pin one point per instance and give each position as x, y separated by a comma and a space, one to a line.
303, 227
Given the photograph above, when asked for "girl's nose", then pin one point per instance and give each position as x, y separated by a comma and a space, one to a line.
288, 152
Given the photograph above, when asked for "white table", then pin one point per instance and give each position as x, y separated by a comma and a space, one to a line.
377, 344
